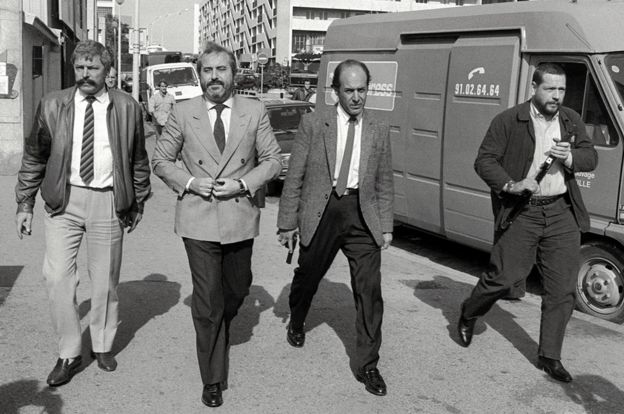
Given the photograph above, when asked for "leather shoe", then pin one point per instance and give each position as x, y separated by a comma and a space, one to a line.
295, 337
106, 361
63, 371
212, 396
465, 329
373, 381
554, 368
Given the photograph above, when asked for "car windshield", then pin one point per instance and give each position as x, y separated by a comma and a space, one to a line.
175, 76
287, 118
615, 66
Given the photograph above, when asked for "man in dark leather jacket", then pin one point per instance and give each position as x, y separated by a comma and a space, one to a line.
86, 154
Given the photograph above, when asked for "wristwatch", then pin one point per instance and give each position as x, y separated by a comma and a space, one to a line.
508, 185
241, 186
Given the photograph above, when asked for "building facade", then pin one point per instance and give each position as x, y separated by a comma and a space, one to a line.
284, 28
37, 38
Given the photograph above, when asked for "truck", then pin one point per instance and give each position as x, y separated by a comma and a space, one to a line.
182, 79
438, 77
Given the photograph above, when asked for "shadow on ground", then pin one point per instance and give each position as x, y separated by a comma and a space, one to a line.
333, 304
447, 295
140, 301
248, 317
595, 394
8, 276
17, 395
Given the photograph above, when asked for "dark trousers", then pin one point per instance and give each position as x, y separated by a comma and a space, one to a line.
549, 237
221, 279
342, 228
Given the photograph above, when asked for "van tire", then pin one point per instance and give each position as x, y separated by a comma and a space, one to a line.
600, 282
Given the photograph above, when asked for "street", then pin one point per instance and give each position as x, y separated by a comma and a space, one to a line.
427, 371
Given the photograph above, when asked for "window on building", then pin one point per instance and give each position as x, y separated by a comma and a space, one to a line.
37, 61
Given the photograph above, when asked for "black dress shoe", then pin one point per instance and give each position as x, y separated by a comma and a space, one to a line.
212, 396
465, 329
63, 371
295, 337
106, 361
554, 368
373, 381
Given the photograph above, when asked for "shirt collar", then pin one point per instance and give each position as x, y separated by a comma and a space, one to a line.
101, 96
228, 103
535, 113
344, 117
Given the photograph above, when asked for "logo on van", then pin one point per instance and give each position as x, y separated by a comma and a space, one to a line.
480, 70
479, 88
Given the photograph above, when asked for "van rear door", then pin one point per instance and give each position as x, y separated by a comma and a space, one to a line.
483, 81
417, 151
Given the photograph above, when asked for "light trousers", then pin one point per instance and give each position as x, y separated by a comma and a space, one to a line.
89, 213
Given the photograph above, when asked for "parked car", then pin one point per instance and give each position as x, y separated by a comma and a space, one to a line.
284, 115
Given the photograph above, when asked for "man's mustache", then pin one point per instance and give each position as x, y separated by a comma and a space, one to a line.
81, 82
215, 82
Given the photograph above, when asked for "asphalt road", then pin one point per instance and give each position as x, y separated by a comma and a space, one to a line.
424, 281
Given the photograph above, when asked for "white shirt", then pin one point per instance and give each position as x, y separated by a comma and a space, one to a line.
545, 130
343, 127
103, 156
226, 114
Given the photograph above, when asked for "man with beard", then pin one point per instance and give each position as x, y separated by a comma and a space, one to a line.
228, 153
547, 231
86, 153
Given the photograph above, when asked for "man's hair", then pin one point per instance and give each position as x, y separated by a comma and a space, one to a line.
348, 64
212, 47
89, 49
163, 81
546, 69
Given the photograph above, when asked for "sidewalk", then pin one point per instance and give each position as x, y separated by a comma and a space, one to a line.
425, 368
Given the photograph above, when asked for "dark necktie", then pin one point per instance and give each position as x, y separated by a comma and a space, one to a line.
219, 129
88, 136
343, 175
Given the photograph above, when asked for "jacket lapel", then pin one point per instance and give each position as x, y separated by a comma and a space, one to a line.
203, 130
331, 139
366, 144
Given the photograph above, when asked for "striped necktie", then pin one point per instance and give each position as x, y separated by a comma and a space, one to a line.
219, 129
343, 175
88, 136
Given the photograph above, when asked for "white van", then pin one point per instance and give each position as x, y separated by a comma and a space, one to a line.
182, 80
438, 77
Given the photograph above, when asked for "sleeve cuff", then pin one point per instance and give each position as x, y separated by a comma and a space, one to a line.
25, 208
188, 184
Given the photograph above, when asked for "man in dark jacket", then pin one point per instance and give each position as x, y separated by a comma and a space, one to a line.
547, 231
87, 154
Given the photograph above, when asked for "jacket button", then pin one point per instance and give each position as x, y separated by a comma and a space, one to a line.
242, 160
236, 199
318, 214
326, 196
200, 162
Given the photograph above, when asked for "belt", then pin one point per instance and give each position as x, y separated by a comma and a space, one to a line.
544, 200
348, 191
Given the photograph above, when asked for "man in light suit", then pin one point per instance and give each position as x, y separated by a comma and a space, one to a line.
338, 194
228, 153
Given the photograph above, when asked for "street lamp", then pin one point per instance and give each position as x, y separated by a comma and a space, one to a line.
119, 2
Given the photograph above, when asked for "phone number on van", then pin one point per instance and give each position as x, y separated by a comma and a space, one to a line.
471, 89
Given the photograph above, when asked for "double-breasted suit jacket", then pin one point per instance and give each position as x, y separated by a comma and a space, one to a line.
308, 187
251, 153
